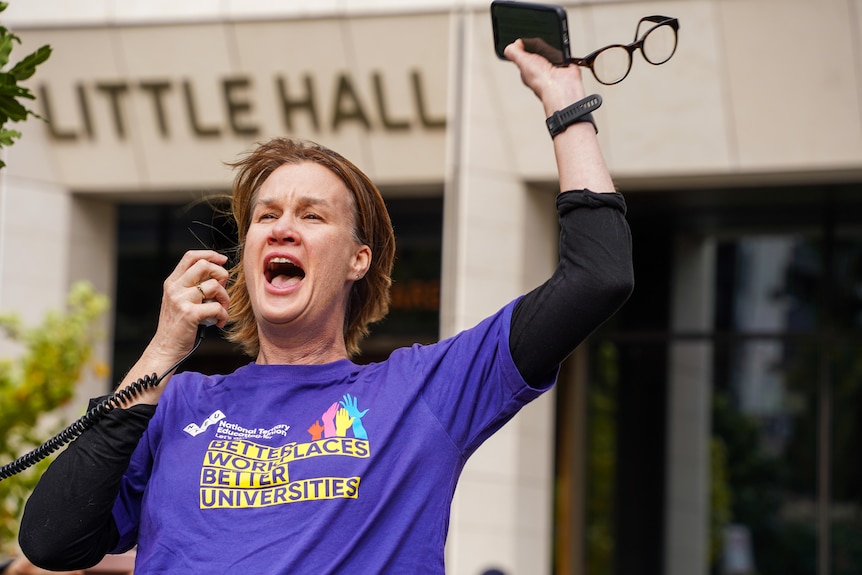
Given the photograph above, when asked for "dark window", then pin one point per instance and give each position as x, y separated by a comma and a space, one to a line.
786, 379
151, 239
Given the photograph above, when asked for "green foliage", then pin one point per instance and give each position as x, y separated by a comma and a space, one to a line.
37, 382
757, 483
602, 462
11, 109
720, 498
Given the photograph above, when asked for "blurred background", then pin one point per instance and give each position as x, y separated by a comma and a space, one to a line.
711, 427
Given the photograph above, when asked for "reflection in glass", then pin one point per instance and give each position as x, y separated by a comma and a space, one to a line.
844, 369
602, 462
764, 460
845, 513
782, 366
765, 403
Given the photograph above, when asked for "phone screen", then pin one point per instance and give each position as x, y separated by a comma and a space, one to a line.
542, 27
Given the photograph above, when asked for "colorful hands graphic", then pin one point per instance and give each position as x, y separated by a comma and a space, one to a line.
342, 422
316, 430
349, 403
329, 429
337, 420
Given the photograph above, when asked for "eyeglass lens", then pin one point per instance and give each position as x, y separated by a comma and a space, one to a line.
659, 44
613, 63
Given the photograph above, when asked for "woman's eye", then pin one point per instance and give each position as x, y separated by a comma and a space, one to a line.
311, 216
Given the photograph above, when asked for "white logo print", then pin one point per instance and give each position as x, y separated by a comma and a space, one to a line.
193, 429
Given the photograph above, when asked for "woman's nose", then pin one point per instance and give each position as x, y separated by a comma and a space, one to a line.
283, 231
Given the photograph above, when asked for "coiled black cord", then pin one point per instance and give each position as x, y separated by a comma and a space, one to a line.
89, 419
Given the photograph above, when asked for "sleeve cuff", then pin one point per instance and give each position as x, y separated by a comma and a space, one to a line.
574, 199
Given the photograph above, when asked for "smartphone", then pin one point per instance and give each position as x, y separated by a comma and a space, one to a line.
543, 28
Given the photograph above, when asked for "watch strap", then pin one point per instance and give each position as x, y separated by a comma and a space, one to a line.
580, 111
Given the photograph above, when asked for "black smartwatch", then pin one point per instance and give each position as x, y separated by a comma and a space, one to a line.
580, 111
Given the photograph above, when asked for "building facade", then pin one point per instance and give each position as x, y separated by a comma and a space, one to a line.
708, 427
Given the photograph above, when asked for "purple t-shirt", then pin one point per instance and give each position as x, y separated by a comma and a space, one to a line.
336, 468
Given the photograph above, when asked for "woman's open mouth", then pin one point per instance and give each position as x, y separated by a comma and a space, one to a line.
282, 272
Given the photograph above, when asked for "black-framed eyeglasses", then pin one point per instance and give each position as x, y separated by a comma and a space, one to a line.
611, 64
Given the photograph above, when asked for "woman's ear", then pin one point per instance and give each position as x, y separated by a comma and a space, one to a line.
361, 262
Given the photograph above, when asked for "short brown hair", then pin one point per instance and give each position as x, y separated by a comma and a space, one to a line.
369, 297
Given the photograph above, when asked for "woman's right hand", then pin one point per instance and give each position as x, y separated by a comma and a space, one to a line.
192, 294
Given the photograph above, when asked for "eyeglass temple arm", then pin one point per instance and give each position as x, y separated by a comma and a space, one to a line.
657, 20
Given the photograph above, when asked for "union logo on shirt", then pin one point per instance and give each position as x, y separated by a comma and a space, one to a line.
194, 429
238, 473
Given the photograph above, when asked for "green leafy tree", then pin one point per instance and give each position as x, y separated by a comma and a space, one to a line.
720, 499
11, 93
602, 462
37, 382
